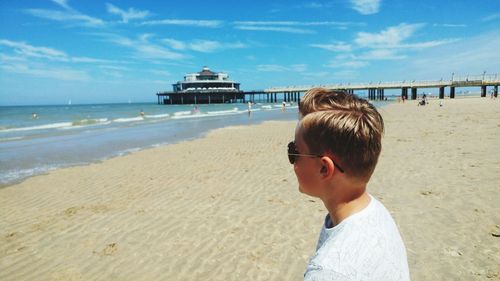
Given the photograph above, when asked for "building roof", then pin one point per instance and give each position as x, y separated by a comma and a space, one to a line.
206, 72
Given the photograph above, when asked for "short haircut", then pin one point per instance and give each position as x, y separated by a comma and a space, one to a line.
345, 125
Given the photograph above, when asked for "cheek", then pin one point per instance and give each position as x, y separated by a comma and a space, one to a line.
300, 174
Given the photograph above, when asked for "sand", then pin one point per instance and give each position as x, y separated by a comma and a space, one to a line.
226, 206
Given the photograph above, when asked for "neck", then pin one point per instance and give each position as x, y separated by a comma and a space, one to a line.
341, 208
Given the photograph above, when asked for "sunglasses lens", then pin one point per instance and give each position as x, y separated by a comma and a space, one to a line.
291, 151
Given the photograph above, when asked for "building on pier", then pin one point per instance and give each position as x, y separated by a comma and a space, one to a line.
204, 87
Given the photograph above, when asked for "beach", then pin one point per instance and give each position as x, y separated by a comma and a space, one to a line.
226, 206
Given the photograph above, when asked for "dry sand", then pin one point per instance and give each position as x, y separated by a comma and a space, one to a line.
226, 207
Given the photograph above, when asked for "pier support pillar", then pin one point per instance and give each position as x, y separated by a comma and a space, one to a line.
441, 93
413, 93
404, 93
452, 92
371, 94
483, 91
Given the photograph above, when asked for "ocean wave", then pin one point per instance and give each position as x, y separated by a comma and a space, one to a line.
86, 122
197, 115
40, 127
11, 139
122, 120
158, 116
224, 112
181, 113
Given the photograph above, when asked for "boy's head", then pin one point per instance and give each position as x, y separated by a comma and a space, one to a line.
344, 125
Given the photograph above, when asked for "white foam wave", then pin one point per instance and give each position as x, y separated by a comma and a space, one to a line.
224, 112
181, 113
122, 120
11, 139
40, 127
197, 115
158, 116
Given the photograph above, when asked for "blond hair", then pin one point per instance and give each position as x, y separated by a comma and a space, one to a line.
345, 125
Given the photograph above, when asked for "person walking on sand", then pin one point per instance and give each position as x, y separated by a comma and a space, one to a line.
283, 106
336, 148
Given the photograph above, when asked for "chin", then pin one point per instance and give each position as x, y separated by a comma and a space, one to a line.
301, 190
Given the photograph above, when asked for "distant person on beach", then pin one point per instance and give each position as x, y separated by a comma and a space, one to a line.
335, 151
34, 116
283, 106
142, 113
249, 107
196, 110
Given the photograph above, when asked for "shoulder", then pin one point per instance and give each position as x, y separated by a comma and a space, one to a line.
362, 245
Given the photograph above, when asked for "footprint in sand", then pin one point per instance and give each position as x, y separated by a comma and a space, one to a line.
109, 250
454, 252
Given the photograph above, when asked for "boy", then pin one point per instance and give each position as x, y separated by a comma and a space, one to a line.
336, 148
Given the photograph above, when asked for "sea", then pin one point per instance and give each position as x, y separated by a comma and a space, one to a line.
37, 139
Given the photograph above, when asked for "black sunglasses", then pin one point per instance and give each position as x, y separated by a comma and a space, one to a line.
293, 153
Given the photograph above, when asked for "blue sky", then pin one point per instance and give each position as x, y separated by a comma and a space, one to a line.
115, 51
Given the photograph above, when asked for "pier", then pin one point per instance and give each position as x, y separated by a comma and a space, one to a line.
370, 90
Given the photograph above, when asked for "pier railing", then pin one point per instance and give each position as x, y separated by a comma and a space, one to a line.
455, 81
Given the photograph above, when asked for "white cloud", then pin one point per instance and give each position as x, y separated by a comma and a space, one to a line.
381, 54
204, 46
299, 67
69, 15
274, 28
296, 23
127, 15
160, 72
366, 7
347, 64
143, 48
449, 25
428, 44
281, 68
47, 72
289, 26
24, 50
196, 23
335, 47
174, 44
271, 68
27, 50
63, 4
390, 37
491, 17
65, 16
472, 56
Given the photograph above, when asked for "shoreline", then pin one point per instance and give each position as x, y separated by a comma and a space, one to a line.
37, 156
226, 205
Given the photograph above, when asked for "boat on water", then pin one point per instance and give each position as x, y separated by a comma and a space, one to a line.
204, 87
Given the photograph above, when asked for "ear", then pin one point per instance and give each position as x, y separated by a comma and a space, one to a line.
327, 167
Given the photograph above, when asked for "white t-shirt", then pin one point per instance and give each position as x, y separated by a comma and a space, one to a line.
365, 246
